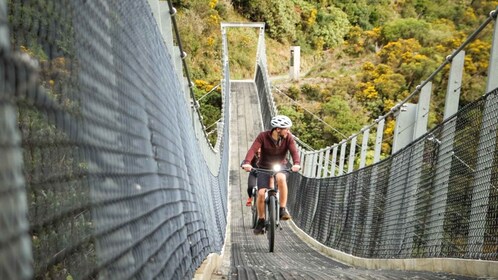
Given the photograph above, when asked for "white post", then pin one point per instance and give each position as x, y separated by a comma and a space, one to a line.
295, 62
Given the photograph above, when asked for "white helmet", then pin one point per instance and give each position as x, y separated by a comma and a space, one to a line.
281, 121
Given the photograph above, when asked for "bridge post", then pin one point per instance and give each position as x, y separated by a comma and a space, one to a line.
445, 157
352, 150
326, 163
378, 139
364, 147
301, 157
454, 85
422, 114
334, 160
307, 164
295, 62
403, 135
16, 257
415, 169
394, 227
342, 157
483, 173
320, 169
154, 6
371, 209
482, 183
166, 26
493, 58
314, 169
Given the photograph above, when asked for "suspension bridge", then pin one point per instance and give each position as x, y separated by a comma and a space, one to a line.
106, 171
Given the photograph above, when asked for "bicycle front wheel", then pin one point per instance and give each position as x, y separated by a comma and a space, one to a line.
270, 233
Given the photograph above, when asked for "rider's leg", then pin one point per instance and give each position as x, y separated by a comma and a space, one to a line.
261, 203
282, 188
251, 182
264, 180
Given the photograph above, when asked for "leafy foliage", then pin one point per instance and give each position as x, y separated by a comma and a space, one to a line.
363, 56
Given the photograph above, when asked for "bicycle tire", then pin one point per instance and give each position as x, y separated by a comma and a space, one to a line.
271, 223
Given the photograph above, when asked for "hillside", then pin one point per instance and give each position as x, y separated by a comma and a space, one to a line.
358, 59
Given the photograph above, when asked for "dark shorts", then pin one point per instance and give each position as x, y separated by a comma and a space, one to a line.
264, 179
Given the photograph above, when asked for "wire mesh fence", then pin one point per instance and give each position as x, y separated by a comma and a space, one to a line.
427, 200
99, 174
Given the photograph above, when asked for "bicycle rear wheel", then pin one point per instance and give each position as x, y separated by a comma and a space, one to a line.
270, 233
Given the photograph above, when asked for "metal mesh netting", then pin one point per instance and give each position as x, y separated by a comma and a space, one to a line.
98, 167
438, 197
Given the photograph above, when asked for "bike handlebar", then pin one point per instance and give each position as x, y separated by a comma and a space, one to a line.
270, 171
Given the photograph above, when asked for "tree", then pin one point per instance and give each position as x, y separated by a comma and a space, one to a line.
405, 28
332, 25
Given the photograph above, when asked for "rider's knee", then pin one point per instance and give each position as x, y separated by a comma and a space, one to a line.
281, 178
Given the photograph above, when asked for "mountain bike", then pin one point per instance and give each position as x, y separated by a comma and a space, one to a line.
272, 206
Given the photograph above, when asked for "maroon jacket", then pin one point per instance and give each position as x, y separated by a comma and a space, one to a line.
272, 153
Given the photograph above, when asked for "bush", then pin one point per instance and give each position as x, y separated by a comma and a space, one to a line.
312, 92
405, 28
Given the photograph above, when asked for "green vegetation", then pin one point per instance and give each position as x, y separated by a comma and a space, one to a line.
359, 59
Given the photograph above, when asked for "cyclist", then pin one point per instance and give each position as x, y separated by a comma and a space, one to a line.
274, 145
251, 179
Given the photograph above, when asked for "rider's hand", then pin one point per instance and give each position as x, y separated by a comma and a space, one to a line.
246, 167
295, 168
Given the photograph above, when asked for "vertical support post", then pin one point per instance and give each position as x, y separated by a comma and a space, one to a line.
485, 154
403, 135
4, 29
16, 257
342, 157
301, 156
166, 25
415, 170
320, 170
308, 163
422, 115
454, 85
352, 150
445, 156
413, 183
482, 183
295, 62
177, 58
334, 160
493, 59
394, 226
326, 171
378, 139
261, 49
364, 147
369, 220
315, 164
154, 7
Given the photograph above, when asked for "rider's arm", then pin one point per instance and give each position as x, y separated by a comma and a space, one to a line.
296, 160
256, 145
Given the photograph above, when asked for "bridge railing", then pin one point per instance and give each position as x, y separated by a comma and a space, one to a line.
436, 196
100, 176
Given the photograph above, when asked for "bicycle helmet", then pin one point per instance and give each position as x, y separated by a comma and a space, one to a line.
281, 121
